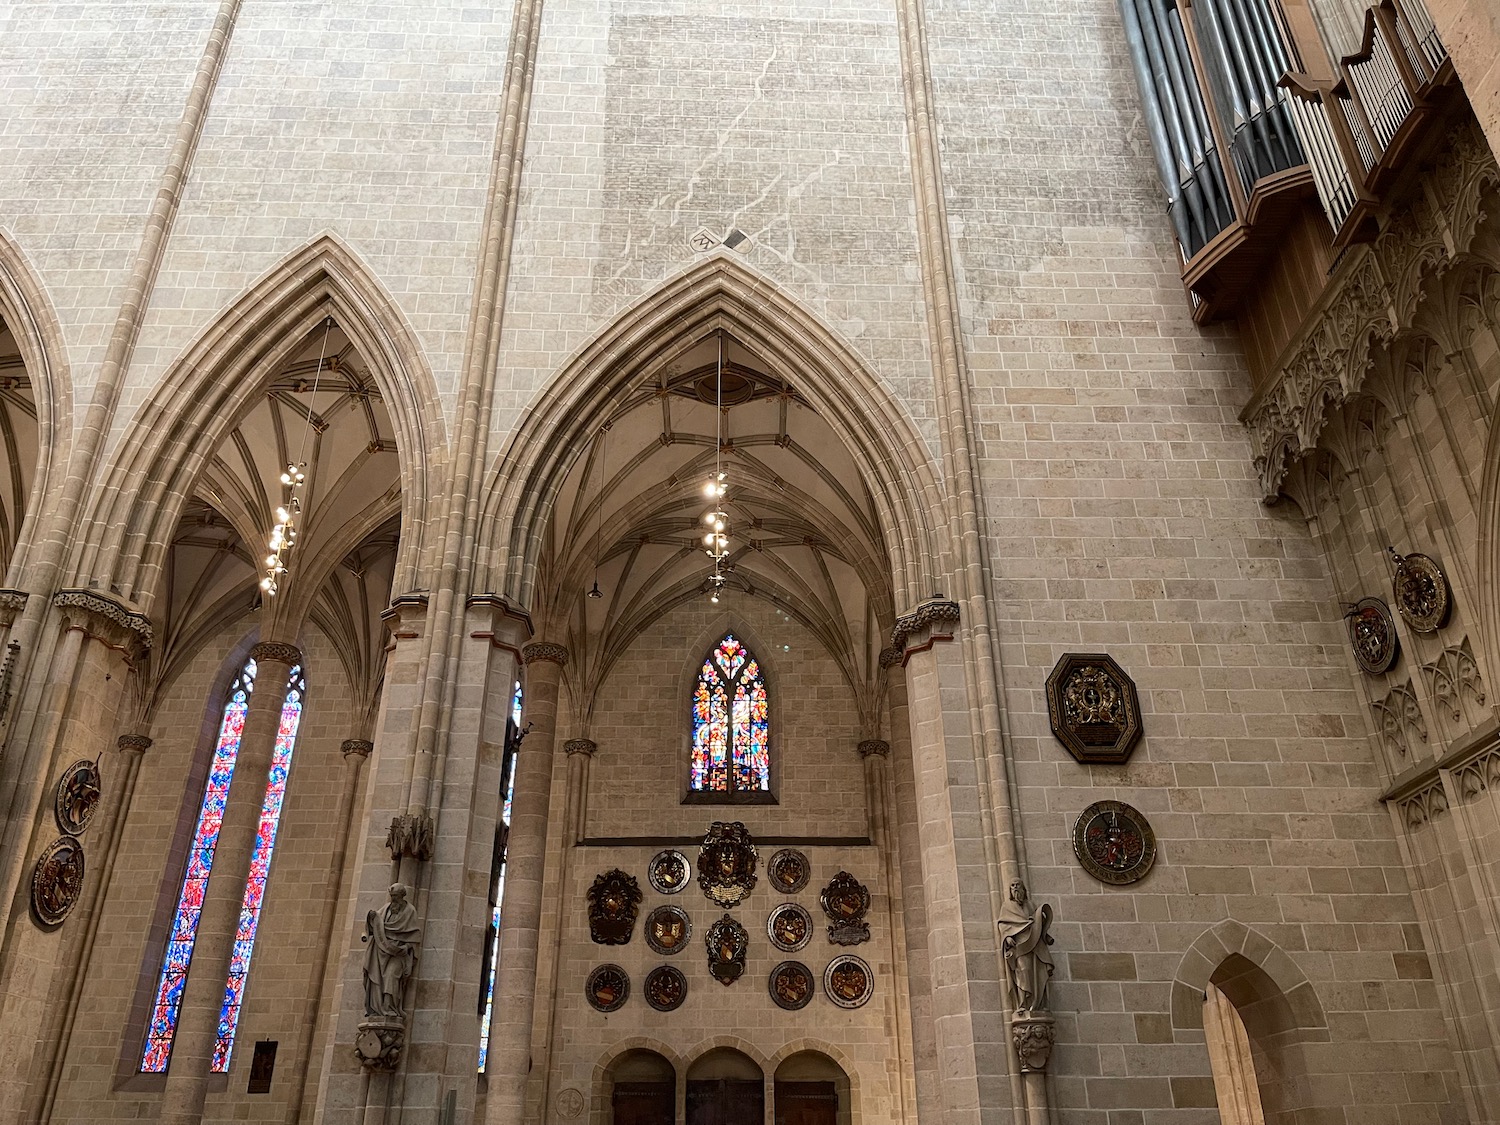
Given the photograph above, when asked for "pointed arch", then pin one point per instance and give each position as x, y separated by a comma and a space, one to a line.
719, 294
161, 453
29, 314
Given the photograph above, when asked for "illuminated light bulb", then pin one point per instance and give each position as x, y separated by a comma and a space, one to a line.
282, 515
272, 560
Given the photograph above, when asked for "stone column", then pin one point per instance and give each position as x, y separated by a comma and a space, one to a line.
913, 903
203, 994
973, 1049
580, 753
356, 751
521, 910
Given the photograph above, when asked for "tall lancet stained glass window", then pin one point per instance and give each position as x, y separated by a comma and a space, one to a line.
731, 722
168, 1000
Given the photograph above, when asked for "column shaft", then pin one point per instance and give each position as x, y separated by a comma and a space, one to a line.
521, 910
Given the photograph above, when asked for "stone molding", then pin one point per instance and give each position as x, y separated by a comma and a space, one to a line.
410, 837
936, 611
1374, 296
1426, 804
1453, 675
138, 743
1400, 721
360, 747
874, 747
104, 611
277, 652
585, 746
545, 650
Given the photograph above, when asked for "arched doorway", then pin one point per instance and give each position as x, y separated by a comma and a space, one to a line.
725, 1087
643, 1089
811, 1089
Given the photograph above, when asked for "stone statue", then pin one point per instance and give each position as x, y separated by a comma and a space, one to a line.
393, 936
1024, 941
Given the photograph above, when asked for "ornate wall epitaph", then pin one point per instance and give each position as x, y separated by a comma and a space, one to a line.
726, 863
846, 901
57, 880
1093, 707
728, 944
1114, 842
1372, 635
77, 799
614, 900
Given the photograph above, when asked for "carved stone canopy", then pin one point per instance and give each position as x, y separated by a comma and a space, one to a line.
1093, 708
614, 900
410, 836
726, 863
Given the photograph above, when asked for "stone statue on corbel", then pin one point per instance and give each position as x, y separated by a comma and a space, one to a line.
1025, 944
392, 937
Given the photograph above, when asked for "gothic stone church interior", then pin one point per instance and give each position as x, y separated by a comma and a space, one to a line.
932, 562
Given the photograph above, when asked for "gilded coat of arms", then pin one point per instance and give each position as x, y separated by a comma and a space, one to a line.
613, 901
726, 863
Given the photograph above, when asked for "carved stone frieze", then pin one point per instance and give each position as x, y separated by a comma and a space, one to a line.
410, 837
1425, 805
614, 901
1400, 720
936, 611
1375, 295
1453, 676
544, 650
104, 614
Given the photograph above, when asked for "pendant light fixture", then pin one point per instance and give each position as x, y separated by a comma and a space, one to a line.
716, 539
293, 481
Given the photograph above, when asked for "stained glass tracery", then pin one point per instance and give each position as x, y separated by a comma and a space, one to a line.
731, 722
508, 788
179, 954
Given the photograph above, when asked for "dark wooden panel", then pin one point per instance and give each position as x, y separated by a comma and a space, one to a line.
806, 1103
644, 1103
726, 1101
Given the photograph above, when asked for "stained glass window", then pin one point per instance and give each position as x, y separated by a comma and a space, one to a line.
508, 789
179, 955
731, 722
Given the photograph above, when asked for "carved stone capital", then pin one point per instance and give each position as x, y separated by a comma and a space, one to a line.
277, 652
875, 747
931, 614
545, 650
585, 746
105, 616
378, 1044
12, 602
136, 743
359, 747
410, 836
1032, 1034
889, 657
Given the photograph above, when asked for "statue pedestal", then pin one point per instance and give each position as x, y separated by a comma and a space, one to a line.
1032, 1034
378, 1043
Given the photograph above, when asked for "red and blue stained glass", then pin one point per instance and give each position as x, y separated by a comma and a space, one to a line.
731, 740
180, 941
489, 992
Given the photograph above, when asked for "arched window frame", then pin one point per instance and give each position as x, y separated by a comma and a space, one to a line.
735, 794
169, 981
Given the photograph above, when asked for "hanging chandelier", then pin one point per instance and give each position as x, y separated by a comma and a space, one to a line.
716, 539
293, 481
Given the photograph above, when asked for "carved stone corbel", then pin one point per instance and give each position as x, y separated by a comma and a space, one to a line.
108, 619
12, 602
545, 650
277, 652
934, 620
410, 837
584, 746
360, 746
875, 747
1033, 1034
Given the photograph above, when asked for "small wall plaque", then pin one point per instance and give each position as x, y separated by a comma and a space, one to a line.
790, 927
791, 985
666, 988
57, 880
668, 930
77, 798
1093, 708
669, 872
728, 944
846, 901
1372, 633
1421, 592
607, 988
613, 902
789, 871
1114, 842
848, 981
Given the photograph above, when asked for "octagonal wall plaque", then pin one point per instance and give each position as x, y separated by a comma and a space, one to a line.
1093, 708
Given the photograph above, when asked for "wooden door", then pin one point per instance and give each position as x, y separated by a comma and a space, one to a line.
644, 1103
806, 1103
726, 1101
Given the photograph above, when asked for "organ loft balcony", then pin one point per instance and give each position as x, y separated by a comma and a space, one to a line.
1284, 134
